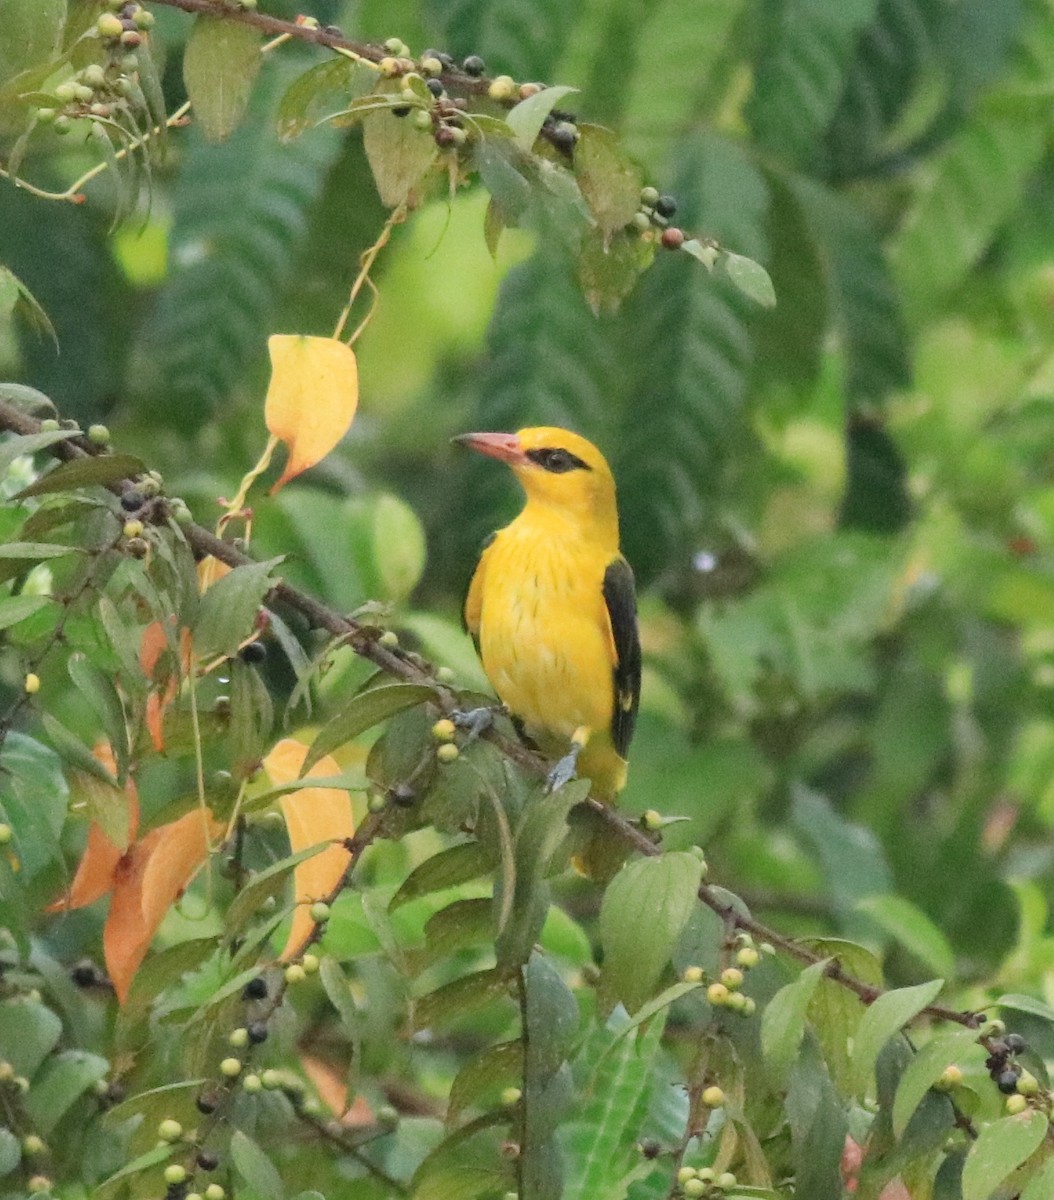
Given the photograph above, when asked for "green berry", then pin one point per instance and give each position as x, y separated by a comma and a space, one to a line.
502, 87
175, 1174
706, 1174
950, 1078
271, 1079
431, 66
422, 119
387, 1116
651, 819
144, 19
726, 1180
448, 752
320, 912
48, 425
649, 196
717, 994
295, 973
66, 92
6, 834
444, 730
252, 1083
1028, 1084
641, 222
231, 1068
109, 26
694, 1187
389, 639
84, 93
62, 124
511, 1096
747, 957
193, 1196
133, 529
713, 1097
31, 684
46, 116
1016, 1104
33, 1145
99, 435
686, 1173
170, 1130
749, 1007
732, 978
376, 804
238, 1038
693, 975
38, 1184
310, 963
215, 1192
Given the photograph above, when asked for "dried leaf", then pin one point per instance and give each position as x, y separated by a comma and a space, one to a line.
154, 642
312, 815
312, 397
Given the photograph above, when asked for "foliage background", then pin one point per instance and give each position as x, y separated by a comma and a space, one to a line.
840, 511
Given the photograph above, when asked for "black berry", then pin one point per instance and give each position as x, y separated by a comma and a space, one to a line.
132, 501
403, 795
666, 206
562, 138
206, 1103
257, 1032
208, 1161
84, 974
435, 86
1007, 1080
1015, 1043
473, 65
401, 110
254, 652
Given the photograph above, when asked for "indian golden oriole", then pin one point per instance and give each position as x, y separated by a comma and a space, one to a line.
552, 610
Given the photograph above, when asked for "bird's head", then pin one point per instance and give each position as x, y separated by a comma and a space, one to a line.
559, 470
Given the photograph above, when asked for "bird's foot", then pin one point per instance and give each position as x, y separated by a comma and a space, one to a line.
564, 769
476, 721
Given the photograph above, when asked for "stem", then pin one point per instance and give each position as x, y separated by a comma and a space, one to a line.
369, 257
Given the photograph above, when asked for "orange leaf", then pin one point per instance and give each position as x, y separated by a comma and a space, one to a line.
153, 644
211, 570
312, 815
95, 872
312, 397
331, 1084
147, 881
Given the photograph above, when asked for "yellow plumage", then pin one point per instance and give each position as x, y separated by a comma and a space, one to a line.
551, 604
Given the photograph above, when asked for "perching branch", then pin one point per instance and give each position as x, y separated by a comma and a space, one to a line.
411, 668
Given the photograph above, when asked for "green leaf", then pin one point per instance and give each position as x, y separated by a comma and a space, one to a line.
10, 1152
338, 989
104, 803
835, 1012
923, 1072
99, 690
1001, 1147
608, 270
913, 929
220, 63
269, 882
255, 1167
28, 1034
447, 869
644, 910
228, 610
1027, 1004
251, 720
551, 1018
460, 998
452, 1182
364, 711
30, 443
98, 471
161, 970
1041, 1185
462, 923
32, 34
609, 180
63, 1080
400, 156
72, 749
526, 118
34, 795
750, 277
33, 551
171, 1099
783, 1019
319, 91
387, 545
17, 608
113, 1187
486, 1075
883, 1019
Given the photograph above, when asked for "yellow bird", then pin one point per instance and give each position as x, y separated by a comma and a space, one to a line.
552, 609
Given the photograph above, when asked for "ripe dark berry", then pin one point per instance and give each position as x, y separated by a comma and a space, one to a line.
474, 66
1007, 1080
206, 1103
445, 136
132, 501
257, 1032
254, 652
404, 795
435, 86
673, 238
650, 1147
84, 974
208, 1161
563, 138
1015, 1043
255, 989
401, 110
666, 206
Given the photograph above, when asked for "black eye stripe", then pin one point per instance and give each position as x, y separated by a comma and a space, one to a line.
557, 460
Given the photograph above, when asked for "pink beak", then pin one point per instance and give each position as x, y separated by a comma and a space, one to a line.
506, 447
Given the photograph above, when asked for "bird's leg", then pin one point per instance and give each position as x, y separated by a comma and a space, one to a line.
476, 721
565, 769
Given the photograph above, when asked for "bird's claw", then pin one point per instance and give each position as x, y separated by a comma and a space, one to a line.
564, 770
475, 721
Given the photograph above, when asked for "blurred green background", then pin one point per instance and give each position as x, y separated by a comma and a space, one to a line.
840, 511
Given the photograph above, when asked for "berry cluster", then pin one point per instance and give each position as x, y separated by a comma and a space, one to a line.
654, 216
724, 992
704, 1181
1017, 1084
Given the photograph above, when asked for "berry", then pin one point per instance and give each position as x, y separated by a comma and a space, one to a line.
257, 1032
1028, 1084
215, 1191
530, 89
389, 639
132, 501
33, 1145
1015, 1043
511, 1096
6, 834
295, 973
175, 1174
206, 1104
252, 1083
430, 65
255, 989
563, 135
254, 652
686, 1173
447, 753
38, 1184
949, 1078
48, 425
641, 222
732, 978
133, 529
207, 1161
726, 1180
320, 912
94, 76
132, 38
271, 1079
502, 87
444, 730
170, 1130
665, 206
713, 1097
387, 1116
144, 19
650, 1147
651, 820
310, 963
137, 547
62, 124
99, 435
66, 92
649, 196
238, 1038
1016, 1104
693, 975
717, 994
423, 120
109, 26
694, 1187
474, 66
231, 1068
1006, 1081
706, 1174
31, 684
747, 957
672, 238
389, 67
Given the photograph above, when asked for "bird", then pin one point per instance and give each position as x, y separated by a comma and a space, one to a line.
552, 607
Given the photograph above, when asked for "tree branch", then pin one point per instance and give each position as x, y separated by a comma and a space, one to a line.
411, 668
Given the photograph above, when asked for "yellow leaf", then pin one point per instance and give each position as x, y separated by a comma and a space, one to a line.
312, 815
312, 397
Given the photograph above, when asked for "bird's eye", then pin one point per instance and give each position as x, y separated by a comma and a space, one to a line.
557, 460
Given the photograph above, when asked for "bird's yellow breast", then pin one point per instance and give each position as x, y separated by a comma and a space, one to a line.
544, 632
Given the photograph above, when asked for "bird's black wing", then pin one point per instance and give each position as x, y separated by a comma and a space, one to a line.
620, 598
